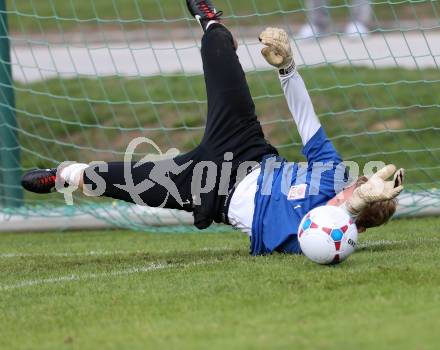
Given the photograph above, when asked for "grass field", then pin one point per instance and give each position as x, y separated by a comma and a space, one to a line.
126, 290
60, 15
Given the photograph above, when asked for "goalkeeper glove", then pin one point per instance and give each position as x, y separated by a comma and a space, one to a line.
376, 189
278, 51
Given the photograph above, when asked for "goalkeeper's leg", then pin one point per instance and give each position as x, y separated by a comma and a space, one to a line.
231, 124
164, 183
230, 104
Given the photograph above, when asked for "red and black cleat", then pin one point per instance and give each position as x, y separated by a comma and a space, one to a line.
39, 180
203, 11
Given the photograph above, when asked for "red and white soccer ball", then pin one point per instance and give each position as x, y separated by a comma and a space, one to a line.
327, 235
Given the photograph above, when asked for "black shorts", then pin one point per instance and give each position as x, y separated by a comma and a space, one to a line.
231, 126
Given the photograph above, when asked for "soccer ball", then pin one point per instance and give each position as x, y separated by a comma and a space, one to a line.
327, 235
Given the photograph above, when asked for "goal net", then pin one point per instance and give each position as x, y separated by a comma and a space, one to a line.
90, 76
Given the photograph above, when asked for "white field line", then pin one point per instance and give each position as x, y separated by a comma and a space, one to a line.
155, 266
90, 276
367, 244
99, 253
364, 244
67, 254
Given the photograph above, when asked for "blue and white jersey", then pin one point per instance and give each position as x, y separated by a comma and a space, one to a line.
286, 192
270, 202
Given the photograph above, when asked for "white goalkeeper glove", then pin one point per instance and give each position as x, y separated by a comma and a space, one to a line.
278, 51
376, 189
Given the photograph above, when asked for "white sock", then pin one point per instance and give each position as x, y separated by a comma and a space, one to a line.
72, 174
211, 22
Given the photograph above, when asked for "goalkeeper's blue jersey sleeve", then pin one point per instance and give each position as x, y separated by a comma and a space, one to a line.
287, 191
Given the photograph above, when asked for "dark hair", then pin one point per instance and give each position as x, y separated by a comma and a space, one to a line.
375, 214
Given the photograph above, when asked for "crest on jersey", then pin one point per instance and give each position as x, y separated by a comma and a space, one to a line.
297, 192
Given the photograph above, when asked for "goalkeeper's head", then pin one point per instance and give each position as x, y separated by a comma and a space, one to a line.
372, 201
374, 214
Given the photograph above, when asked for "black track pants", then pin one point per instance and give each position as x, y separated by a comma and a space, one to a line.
231, 126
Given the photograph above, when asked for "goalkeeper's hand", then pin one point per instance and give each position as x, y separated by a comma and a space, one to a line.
377, 189
278, 51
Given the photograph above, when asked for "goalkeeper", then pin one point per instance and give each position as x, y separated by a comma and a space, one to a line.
266, 196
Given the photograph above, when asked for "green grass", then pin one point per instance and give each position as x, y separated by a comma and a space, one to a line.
209, 293
371, 114
28, 16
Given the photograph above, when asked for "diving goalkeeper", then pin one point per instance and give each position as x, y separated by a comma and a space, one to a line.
264, 195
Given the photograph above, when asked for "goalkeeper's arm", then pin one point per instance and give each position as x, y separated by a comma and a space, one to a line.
278, 53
